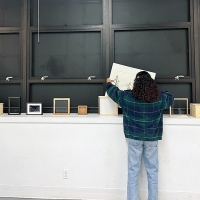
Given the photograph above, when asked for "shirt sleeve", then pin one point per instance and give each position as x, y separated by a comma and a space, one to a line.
168, 99
115, 94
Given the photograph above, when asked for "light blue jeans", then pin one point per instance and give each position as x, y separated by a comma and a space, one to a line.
150, 153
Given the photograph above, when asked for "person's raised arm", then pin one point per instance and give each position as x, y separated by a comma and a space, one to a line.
114, 92
168, 100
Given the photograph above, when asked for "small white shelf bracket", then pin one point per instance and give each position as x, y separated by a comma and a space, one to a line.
43, 78
178, 76
8, 78
91, 77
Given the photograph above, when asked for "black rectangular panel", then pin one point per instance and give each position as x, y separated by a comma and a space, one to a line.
66, 12
10, 13
67, 55
150, 11
9, 55
179, 90
164, 52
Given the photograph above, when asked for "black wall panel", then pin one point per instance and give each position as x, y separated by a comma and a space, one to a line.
165, 52
150, 12
70, 40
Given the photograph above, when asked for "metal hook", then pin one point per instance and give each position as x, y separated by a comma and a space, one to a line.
43, 78
178, 76
8, 78
90, 78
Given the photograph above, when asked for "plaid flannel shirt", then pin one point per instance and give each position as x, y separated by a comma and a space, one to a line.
141, 121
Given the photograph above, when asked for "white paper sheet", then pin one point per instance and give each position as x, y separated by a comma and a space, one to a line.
124, 76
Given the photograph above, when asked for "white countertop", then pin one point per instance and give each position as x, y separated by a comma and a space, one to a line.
74, 118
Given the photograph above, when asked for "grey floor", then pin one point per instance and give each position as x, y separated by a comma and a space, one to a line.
12, 198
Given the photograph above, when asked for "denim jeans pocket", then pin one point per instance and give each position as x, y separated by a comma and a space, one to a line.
149, 144
135, 143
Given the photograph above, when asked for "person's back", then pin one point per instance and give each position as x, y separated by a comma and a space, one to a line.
144, 121
142, 109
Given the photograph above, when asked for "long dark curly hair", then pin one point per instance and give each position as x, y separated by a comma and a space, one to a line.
145, 88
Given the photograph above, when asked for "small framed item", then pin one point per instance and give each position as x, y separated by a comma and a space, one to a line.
1, 108
179, 108
14, 105
107, 107
34, 109
195, 109
82, 110
61, 106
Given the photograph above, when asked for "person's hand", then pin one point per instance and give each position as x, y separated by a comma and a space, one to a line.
108, 80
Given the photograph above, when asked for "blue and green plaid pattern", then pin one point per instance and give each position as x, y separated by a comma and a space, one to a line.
142, 121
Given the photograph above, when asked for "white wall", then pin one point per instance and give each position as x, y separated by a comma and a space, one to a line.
34, 150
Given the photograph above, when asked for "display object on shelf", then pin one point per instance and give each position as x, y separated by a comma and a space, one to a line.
34, 109
195, 109
14, 105
61, 106
82, 110
1, 108
179, 108
107, 107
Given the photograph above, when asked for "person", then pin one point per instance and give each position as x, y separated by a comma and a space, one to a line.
142, 109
